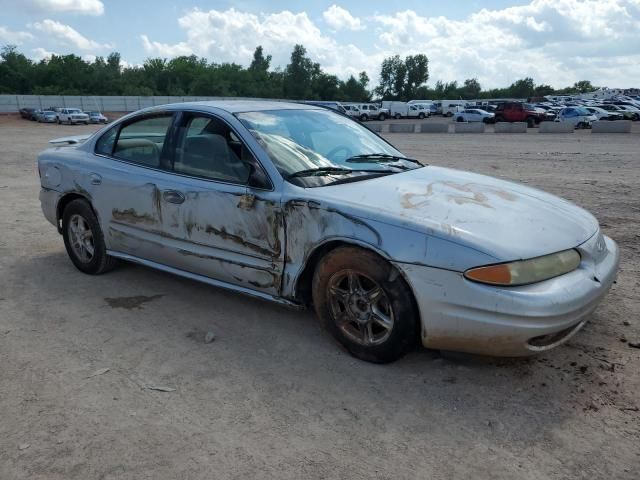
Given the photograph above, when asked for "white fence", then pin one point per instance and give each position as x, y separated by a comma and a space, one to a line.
13, 103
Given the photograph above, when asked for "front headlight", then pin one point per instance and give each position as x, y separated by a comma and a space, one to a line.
524, 272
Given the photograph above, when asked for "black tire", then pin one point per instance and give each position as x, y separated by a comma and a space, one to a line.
398, 116
459, 119
421, 116
99, 262
395, 341
59, 122
531, 122
364, 117
381, 117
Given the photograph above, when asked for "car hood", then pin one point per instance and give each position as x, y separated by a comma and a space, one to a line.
506, 220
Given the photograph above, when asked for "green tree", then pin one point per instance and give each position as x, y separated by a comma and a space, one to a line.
299, 74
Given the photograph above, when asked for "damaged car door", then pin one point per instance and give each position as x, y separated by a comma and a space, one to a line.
228, 226
130, 171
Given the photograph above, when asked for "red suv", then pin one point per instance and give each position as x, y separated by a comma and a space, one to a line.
518, 112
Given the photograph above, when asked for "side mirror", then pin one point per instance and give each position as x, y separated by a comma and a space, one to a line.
256, 177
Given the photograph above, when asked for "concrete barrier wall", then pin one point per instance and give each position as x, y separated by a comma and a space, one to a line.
617, 126
402, 127
477, 127
510, 127
13, 103
374, 127
434, 128
555, 127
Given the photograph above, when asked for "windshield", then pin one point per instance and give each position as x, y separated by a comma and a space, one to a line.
319, 147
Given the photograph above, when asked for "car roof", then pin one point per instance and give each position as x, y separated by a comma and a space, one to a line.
237, 106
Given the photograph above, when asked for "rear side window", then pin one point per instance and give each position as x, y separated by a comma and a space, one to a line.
143, 141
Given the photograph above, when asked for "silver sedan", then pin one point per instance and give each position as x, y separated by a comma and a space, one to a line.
306, 207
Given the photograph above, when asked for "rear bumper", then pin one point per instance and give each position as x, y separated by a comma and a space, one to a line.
460, 315
49, 203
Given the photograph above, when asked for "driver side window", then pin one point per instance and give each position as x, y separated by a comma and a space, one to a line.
208, 148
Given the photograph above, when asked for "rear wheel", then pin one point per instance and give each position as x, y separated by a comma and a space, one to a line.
459, 119
398, 116
531, 122
83, 239
365, 304
364, 117
421, 115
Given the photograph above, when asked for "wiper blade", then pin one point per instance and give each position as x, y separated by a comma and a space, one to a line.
321, 171
337, 170
383, 157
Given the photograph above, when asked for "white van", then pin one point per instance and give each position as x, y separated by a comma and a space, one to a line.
405, 110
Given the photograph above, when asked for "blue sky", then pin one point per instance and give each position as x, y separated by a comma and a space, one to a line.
554, 41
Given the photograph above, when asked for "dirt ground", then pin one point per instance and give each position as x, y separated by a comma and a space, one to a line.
273, 396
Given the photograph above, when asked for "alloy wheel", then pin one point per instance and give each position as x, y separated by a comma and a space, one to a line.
360, 307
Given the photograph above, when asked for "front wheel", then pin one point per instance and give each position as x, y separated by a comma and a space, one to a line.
381, 117
531, 122
365, 304
83, 239
421, 116
460, 120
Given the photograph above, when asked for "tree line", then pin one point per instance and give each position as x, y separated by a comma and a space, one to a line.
301, 78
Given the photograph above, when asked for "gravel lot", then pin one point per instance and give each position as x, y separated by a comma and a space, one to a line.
273, 396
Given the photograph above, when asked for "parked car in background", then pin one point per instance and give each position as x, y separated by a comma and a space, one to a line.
27, 113
579, 117
518, 112
351, 110
602, 114
337, 106
371, 111
630, 111
609, 107
47, 116
72, 116
97, 117
303, 206
474, 115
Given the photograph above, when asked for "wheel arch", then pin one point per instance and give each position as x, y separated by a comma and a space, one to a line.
304, 281
65, 200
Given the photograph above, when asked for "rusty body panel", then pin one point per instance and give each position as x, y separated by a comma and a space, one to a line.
431, 223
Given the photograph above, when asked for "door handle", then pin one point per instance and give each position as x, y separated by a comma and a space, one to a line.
173, 196
95, 179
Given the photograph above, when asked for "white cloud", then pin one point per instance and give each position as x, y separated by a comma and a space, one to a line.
42, 54
14, 38
82, 7
339, 18
67, 35
164, 49
543, 39
554, 41
232, 36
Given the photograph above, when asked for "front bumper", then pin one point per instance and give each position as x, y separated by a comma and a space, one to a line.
460, 315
